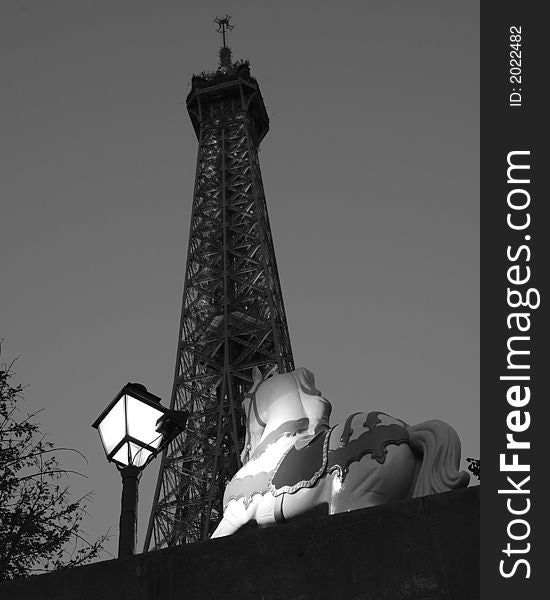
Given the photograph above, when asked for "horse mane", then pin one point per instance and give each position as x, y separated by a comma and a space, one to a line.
306, 381
316, 406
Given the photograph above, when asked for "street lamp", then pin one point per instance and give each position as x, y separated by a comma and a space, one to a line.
133, 429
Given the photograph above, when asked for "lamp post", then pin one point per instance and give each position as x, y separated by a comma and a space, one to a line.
133, 429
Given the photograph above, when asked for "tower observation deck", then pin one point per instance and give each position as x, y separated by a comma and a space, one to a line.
233, 316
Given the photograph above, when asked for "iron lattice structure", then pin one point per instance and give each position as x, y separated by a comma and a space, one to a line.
233, 316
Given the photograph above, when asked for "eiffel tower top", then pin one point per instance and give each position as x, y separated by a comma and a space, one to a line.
225, 52
227, 68
230, 82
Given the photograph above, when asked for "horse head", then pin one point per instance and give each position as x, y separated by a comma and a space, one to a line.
282, 400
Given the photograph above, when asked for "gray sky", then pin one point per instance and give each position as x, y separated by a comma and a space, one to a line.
371, 173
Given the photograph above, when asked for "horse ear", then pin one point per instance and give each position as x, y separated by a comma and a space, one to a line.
256, 375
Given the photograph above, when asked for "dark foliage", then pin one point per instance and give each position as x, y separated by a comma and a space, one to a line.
39, 522
473, 467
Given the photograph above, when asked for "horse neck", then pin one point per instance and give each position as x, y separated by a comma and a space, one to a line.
286, 419
278, 404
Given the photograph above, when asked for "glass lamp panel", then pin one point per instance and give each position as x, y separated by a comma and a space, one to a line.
122, 455
142, 420
113, 428
139, 455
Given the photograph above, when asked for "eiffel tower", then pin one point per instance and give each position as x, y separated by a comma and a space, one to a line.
233, 317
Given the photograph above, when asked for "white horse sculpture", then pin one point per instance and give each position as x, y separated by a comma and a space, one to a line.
295, 463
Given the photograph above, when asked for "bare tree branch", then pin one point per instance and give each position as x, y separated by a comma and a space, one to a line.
40, 525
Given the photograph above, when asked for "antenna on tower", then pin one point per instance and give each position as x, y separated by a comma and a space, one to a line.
225, 53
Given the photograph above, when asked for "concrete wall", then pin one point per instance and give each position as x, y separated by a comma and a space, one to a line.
421, 549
